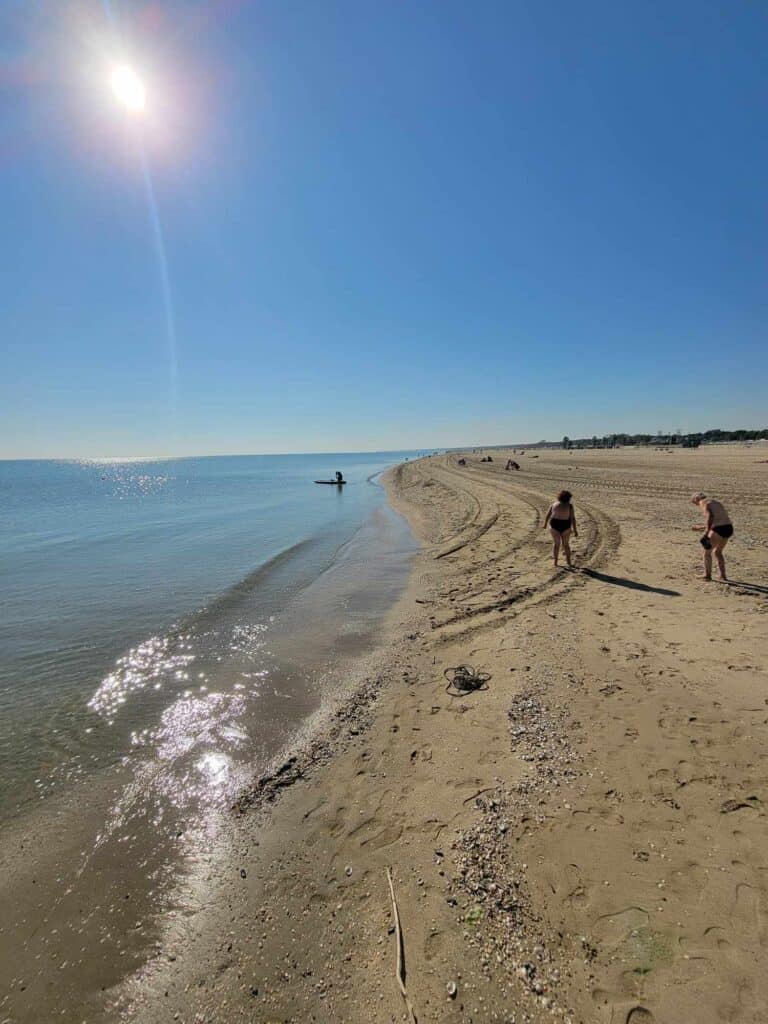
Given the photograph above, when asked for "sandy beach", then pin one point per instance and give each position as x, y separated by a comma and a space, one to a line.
581, 840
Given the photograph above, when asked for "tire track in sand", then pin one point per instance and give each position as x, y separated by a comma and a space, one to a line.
503, 545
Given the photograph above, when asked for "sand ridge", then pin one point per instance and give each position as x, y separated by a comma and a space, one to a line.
583, 840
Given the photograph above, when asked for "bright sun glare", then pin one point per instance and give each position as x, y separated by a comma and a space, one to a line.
128, 88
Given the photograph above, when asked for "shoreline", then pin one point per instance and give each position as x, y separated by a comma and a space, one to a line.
580, 841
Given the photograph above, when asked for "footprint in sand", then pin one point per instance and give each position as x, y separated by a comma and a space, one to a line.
434, 945
602, 815
714, 936
606, 1001
423, 753
336, 824
581, 896
579, 888
639, 1015
748, 910
386, 837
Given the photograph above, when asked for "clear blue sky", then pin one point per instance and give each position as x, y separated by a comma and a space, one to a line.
386, 224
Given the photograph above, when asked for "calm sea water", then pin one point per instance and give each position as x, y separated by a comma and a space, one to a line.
179, 613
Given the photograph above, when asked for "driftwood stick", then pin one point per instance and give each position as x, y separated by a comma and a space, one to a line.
400, 956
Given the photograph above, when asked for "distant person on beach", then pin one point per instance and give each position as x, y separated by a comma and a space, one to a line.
561, 520
717, 529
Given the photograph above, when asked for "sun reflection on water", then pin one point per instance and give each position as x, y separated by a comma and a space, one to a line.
151, 663
188, 739
214, 766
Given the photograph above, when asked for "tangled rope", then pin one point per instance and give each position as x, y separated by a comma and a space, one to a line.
465, 679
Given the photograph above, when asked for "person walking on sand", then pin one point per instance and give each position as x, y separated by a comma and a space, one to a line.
561, 520
717, 530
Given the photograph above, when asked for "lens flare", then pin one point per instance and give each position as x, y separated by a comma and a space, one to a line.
128, 89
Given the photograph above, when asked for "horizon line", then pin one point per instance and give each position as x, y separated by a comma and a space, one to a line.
364, 451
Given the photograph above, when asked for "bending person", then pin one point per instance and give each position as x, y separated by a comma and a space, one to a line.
561, 520
717, 530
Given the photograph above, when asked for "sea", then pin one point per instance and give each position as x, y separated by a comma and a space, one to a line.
174, 621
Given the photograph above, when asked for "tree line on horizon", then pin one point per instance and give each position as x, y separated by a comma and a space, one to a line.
692, 440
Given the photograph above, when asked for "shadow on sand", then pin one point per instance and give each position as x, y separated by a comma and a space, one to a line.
752, 588
620, 581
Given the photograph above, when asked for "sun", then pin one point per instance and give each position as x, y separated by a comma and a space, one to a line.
128, 89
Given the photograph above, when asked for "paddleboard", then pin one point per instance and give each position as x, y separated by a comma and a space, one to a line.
337, 483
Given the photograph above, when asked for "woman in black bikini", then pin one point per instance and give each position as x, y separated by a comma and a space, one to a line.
716, 532
561, 519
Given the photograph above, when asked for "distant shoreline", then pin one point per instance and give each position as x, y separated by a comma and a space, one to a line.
414, 453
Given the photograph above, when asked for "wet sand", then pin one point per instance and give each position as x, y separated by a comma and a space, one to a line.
582, 840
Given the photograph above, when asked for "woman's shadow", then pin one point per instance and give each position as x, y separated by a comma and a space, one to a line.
751, 588
621, 581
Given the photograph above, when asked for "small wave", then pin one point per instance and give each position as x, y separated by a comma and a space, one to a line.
206, 634
234, 594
